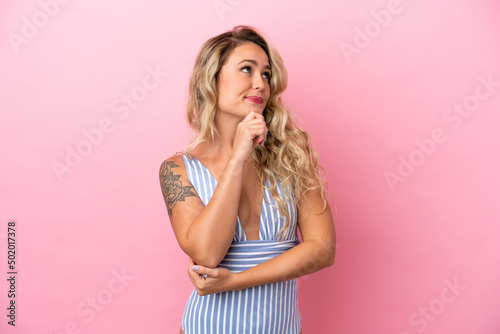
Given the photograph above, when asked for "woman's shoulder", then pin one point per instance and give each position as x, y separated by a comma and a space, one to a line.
176, 162
176, 158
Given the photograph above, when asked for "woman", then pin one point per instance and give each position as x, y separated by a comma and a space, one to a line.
237, 194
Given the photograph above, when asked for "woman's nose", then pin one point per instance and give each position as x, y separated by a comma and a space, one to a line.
258, 81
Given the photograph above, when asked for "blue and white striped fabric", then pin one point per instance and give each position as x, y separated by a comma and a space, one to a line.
265, 309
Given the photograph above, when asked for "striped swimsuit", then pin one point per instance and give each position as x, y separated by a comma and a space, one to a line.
265, 309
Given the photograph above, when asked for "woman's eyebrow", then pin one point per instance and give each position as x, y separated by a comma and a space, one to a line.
253, 62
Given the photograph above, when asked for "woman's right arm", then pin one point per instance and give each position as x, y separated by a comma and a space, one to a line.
203, 232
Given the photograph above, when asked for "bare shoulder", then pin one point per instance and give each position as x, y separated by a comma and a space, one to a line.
172, 166
175, 185
175, 159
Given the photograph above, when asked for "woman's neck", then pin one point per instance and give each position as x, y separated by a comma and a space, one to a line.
226, 126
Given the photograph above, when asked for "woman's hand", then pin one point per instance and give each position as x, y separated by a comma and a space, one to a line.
210, 280
251, 131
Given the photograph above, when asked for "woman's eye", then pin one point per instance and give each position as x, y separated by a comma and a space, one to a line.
267, 75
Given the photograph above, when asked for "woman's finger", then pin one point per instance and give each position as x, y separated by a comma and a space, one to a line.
191, 264
250, 132
253, 129
252, 115
190, 268
205, 272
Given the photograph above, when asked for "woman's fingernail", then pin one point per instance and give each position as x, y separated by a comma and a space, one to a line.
195, 268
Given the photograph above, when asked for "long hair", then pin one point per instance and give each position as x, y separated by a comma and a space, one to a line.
287, 156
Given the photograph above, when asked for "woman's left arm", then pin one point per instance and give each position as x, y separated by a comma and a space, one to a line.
315, 252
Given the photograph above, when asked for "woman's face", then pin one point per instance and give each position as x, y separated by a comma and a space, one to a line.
243, 83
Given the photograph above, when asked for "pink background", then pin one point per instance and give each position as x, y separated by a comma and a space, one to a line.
371, 88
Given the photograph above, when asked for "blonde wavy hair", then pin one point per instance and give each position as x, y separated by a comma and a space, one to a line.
287, 156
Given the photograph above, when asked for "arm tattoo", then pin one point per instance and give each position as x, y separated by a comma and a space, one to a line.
172, 188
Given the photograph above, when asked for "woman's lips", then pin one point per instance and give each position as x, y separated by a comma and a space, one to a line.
254, 99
